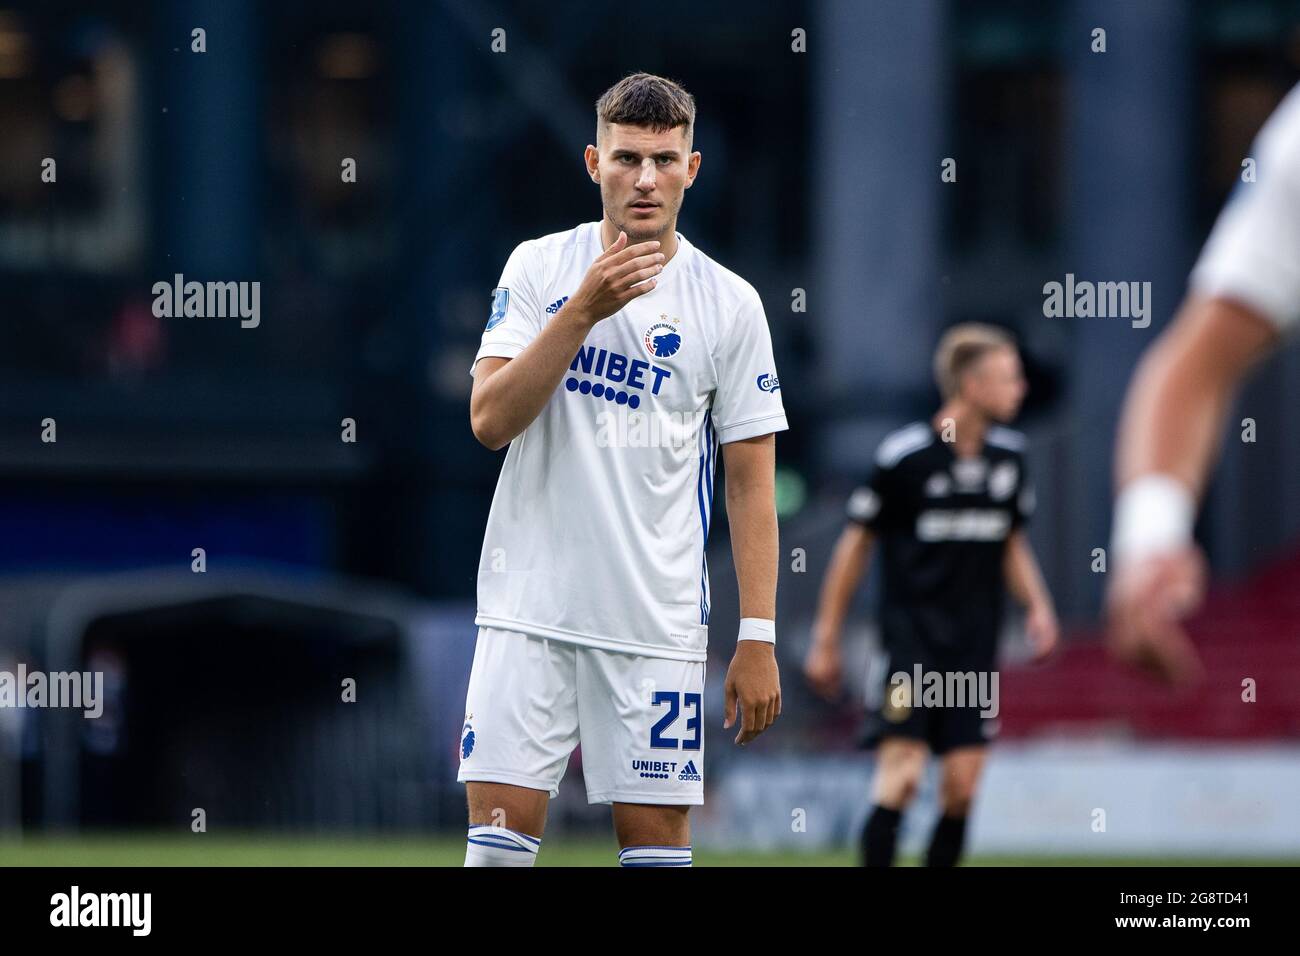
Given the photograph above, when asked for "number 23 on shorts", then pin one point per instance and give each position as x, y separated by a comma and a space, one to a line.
676, 702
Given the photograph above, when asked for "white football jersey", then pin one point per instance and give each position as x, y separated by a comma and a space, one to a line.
1253, 254
597, 530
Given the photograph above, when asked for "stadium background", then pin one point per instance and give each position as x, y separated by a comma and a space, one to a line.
329, 560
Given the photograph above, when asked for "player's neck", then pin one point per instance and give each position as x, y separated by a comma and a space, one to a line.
961, 425
668, 243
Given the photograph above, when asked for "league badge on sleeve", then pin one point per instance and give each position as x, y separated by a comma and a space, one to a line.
500, 302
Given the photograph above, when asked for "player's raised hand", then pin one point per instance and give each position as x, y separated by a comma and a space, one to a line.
823, 668
611, 282
1145, 605
752, 689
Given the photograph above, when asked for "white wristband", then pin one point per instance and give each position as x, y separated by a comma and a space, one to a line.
1153, 515
757, 629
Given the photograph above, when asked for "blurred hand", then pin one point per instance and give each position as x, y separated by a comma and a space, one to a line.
607, 286
823, 668
754, 684
1145, 604
1043, 630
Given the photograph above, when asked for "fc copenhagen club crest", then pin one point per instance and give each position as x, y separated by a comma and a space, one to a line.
467, 738
662, 340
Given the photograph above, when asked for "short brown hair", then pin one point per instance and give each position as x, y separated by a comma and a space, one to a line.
960, 348
643, 99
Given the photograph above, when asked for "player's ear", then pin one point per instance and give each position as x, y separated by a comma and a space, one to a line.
692, 167
591, 156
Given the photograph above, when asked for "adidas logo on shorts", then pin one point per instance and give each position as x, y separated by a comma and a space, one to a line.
689, 772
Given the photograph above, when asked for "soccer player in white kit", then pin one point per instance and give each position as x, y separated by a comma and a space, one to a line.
616, 360
1244, 295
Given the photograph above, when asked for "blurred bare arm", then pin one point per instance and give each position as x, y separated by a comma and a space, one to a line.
1025, 582
1169, 434
849, 561
1174, 413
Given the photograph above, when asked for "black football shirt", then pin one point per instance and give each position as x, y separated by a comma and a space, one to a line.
941, 524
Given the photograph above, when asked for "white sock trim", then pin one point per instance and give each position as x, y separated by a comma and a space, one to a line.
655, 856
497, 846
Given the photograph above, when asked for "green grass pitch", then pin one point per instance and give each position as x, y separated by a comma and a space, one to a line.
422, 850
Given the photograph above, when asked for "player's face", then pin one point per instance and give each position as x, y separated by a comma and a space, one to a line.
643, 176
996, 385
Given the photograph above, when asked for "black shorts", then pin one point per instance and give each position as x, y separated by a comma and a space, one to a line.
955, 704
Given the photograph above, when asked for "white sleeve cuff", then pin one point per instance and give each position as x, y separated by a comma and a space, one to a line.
496, 350
739, 431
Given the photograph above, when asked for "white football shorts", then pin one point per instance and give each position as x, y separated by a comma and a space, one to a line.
532, 700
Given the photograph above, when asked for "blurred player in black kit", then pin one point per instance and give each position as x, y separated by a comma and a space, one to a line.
947, 501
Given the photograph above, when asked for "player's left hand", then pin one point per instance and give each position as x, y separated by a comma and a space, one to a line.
754, 687
1043, 630
1145, 605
